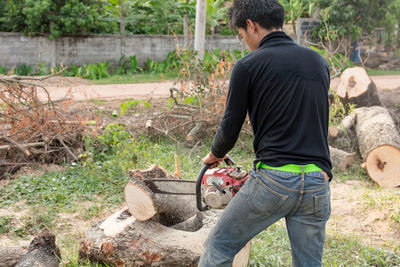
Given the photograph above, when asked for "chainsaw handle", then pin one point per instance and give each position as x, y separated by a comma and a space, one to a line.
229, 161
199, 201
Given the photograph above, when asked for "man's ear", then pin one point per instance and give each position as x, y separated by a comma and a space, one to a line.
250, 25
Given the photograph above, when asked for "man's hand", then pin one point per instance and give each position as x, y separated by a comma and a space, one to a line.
211, 159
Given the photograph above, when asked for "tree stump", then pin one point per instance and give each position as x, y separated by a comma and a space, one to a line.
379, 144
355, 87
341, 160
121, 240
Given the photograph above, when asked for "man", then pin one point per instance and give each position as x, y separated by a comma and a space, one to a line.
284, 89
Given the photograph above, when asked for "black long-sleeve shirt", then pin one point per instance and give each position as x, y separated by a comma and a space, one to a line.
284, 89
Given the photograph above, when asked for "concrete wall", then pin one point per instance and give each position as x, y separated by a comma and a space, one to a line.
17, 49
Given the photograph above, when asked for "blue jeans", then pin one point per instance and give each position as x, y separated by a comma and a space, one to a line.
269, 195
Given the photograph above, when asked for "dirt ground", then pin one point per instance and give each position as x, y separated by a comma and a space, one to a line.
358, 208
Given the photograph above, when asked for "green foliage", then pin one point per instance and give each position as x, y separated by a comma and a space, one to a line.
295, 9
55, 17
5, 224
336, 61
3, 70
93, 71
354, 17
43, 70
132, 104
23, 70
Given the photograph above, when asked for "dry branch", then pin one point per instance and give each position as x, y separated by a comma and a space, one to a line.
33, 130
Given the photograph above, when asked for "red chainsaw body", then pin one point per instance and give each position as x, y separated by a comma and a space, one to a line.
220, 185
227, 178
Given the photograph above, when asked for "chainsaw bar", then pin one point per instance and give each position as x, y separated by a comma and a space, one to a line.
171, 186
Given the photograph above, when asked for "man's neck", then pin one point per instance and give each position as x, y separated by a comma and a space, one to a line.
264, 32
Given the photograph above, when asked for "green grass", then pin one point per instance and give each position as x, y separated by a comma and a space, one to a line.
372, 72
138, 78
96, 184
272, 248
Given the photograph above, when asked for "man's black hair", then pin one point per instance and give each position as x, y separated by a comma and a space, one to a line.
270, 14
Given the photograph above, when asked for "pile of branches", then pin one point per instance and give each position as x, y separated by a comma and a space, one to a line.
35, 129
197, 103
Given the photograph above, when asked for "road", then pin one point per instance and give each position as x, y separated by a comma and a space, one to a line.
144, 90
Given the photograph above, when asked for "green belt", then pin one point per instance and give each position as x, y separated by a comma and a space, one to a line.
290, 167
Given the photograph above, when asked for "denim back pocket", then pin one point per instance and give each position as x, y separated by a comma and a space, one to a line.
322, 205
264, 200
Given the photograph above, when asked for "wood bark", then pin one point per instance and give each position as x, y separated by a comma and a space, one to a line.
42, 252
144, 204
355, 87
9, 256
121, 240
341, 160
196, 132
379, 145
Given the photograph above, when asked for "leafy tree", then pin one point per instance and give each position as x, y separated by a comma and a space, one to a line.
353, 17
56, 17
295, 9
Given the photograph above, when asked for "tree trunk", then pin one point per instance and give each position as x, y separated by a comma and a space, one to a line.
144, 204
123, 241
379, 144
122, 26
200, 28
10, 255
341, 160
355, 87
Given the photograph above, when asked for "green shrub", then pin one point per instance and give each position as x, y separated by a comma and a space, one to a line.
23, 70
3, 70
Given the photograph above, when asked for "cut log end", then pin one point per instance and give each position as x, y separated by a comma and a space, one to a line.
139, 201
357, 88
334, 131
383, 165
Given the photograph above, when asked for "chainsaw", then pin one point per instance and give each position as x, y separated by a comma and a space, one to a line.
214, 187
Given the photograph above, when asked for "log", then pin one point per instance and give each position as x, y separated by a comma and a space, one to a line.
121, 240
42, 252
379, 145
144, 204
341, 160
355, 87
345, 127
196, 132
10, 255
